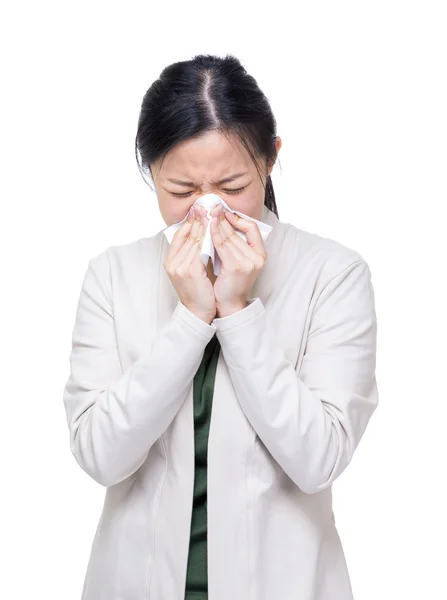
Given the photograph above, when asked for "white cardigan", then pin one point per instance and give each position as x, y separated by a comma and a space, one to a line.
295, 388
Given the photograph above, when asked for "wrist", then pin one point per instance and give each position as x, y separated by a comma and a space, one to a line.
207, 318
226, 311
202, 316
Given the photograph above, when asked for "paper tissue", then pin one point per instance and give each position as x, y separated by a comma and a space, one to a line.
207, 251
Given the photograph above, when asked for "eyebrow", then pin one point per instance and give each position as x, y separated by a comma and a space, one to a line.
224, 180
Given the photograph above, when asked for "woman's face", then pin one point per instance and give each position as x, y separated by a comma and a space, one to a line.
201, 164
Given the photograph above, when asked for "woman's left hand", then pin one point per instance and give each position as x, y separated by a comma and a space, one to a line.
242, 261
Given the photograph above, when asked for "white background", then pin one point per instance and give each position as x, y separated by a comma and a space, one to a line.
359, 93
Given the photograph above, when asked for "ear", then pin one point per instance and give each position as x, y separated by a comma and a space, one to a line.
278, 144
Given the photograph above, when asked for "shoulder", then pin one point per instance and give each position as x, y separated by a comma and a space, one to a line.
324, 255
130, 257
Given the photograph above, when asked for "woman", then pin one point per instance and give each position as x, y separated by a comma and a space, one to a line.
218, 411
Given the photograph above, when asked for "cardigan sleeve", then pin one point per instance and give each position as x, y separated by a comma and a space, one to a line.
310, 422
114, 417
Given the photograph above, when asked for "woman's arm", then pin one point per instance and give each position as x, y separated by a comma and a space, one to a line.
114, 418
311, 424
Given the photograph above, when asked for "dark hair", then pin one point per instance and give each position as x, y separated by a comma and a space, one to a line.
202, 94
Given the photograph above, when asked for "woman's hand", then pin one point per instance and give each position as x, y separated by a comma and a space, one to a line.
241, 261
186, 270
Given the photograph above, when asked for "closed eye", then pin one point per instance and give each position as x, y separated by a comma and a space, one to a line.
227, 191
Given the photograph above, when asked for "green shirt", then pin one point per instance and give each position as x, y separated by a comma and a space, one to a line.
197, 574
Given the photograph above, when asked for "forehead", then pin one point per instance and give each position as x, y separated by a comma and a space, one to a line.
210, 156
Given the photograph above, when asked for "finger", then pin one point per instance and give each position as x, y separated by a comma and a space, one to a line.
197, 265
183, 231
251, 230
221, 244
197, 243
195, 238
230, 237
192, 260
190, 246
181, 234
244, 248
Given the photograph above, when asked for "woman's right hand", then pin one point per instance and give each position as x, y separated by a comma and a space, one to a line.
186, 270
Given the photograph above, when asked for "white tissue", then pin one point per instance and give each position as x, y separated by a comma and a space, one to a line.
207, 251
